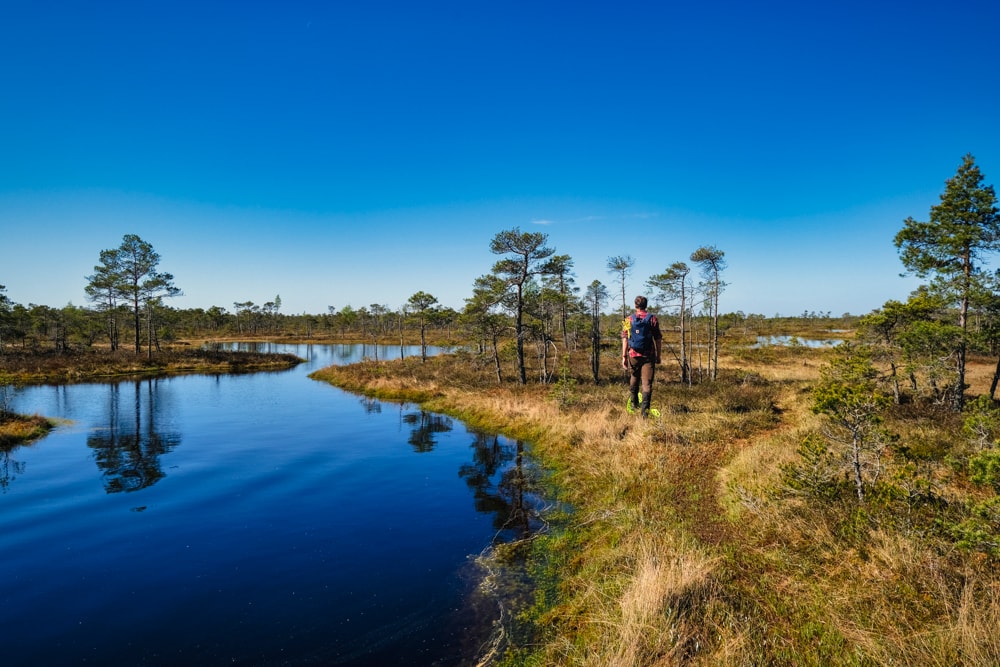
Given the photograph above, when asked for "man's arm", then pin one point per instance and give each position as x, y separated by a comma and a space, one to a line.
624, 345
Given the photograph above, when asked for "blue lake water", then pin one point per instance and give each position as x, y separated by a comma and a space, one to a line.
791, 341
257, 519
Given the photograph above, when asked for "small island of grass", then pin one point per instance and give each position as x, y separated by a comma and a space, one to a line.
51, 366
16, 429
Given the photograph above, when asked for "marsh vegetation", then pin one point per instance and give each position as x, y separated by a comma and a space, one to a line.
799, 504
729, 531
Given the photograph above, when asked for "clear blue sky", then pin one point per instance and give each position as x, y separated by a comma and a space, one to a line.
340, 153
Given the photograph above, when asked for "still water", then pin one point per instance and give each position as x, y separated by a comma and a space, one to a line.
792, 341
258, 519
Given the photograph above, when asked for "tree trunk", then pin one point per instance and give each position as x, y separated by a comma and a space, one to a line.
544, 357
136, 316
858, 481
520, 335
496, 360
715, 331
895, 382
996, 380
958, 400
595, 356
685, 368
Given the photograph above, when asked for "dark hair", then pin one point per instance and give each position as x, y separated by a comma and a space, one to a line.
641, 302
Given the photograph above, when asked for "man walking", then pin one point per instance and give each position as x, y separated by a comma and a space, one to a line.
641, 343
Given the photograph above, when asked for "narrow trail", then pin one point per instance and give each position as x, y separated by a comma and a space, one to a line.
697, 497
699, 492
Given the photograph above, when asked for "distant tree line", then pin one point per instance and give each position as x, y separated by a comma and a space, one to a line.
527, 312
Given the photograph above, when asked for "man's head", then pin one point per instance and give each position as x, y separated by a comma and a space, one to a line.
641, 303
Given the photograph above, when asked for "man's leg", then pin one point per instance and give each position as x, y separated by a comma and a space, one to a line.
648, 372
634, 381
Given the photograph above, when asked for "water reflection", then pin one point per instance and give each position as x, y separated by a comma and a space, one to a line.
794, 341
512, 501
344, 353
425, 426
519, 484
128, 450
298, 524
9, 468
487, 458
372, 406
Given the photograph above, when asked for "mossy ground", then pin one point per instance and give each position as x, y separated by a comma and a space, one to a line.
685, 547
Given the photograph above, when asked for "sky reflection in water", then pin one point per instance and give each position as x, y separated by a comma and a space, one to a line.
258, 519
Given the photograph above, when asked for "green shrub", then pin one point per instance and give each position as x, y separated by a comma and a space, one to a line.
984, 468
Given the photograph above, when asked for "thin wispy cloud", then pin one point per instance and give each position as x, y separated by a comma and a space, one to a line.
570, 221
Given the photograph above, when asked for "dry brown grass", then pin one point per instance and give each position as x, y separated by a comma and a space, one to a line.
656, 625
685, 552
54, 366
18, 429
639, 590
685, 549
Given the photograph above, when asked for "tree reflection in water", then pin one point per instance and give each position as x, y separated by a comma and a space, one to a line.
372, 406
518, 483
506, 580
128, 451
9, 468
512, 501
425, 426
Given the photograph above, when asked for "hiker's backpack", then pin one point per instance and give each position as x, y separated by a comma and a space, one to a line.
640, 332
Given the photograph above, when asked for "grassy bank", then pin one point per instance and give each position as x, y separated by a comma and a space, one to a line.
688, 546
81, 365
18, 429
